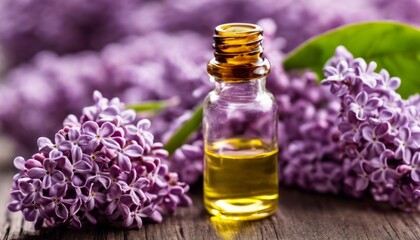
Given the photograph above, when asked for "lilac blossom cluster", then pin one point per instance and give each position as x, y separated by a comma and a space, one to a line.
102, 168
380, 132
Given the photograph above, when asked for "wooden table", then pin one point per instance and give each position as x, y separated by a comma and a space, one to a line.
300, 215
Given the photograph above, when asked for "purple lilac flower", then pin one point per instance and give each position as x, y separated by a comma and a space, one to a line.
413, 167
405, 142
341, 72
86, 182
48, 173
379, 133
381, 172
374, 135
364, 107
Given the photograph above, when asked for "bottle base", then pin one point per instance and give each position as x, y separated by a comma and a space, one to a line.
241, 209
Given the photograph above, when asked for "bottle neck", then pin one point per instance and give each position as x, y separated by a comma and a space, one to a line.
241, 90
238, 53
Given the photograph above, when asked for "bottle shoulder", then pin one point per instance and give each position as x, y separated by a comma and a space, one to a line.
264, 101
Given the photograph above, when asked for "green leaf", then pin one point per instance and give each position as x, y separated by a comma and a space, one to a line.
184, 132
393, 46
153, 106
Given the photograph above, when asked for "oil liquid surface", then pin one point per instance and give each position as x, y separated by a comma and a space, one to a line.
240, 179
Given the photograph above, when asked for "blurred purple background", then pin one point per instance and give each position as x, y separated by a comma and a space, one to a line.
55, 53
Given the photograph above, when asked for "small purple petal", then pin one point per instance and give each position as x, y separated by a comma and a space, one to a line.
141, 183
46, 181
65, 146
128, 115
416, 158
65, 165
93, 145
110, 143
124, 162
407, 155
90, 128
144, 124
362, 98
415, 175
82, 166
379, 147
62, 211
57, 177
55, 154
107, 129
78, 181
394, 83
32, 163
405, 133
74, 134
177, 190
58, 190
128, 220
105, 181
28, 199
377, 176
156, 216
133, 151
36, 172
110, 208
100, 197
367, 134
44, 142
139, 221
382, 129
374, 103
30, 214
14, 206
16, 194
19, 163
25, 187
76, 223
84, 140
134, 198
76, 154
361, 184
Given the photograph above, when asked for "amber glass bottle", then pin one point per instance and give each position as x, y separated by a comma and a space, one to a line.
240, 128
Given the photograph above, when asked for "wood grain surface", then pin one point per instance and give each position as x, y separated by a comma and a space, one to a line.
301, 215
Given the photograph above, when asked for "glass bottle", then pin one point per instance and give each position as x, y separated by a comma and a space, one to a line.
240, 128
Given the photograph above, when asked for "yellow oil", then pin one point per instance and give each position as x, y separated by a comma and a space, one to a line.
240, 179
